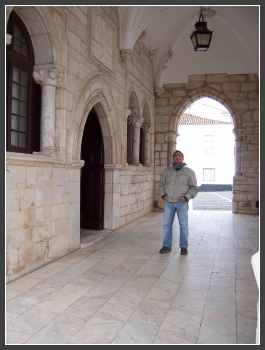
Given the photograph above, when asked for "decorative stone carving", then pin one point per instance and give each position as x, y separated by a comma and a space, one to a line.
208, 12
47, 77
126, 55
239, 134
102, 40
159, 90
136, 121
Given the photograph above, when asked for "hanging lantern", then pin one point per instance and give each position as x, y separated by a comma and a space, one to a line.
201, 37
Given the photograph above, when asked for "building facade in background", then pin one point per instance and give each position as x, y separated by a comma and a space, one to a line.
206, 152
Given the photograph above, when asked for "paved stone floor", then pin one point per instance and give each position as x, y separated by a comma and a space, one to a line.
118, 289
219, 200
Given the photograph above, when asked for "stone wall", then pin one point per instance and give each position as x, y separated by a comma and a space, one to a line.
240, 95
79, 69
42, 212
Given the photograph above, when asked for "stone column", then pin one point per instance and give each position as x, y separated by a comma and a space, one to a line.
136, 121
48, 80
112, 206
239, 137
146, 127
171, 147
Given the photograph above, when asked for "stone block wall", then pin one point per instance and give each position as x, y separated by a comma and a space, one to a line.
43, 190
42, 213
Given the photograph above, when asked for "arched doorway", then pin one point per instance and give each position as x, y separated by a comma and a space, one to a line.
92, 175
211, 154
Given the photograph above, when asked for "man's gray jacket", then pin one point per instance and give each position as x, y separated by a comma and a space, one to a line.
175, 184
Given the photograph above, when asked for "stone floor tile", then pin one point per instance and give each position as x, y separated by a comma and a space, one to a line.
61, 299
220, 310
221, 279
217, 332
21, 304
246, 329
16, 338
20, 285
48, 270
120, 290
54, 333
97, 331
224, 293
31, 321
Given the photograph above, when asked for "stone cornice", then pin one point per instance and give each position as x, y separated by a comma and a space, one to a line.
113, 166
40, 160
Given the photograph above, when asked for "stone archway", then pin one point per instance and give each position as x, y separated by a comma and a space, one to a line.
96, 94
239, 94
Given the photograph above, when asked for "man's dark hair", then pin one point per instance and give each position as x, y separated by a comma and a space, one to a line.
179, 152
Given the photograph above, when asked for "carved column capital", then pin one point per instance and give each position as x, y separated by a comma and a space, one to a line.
126, 54
8, 39
48, 77
146, 126
171, 136
159, 90
136, 121
239, 134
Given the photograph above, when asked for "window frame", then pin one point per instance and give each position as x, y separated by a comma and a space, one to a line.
209, 177
15, 59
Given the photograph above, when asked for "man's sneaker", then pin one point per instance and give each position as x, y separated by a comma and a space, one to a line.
164, 250
183, 251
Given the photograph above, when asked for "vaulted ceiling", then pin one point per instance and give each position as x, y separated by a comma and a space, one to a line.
166, 32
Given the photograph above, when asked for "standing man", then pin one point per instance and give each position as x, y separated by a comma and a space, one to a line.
177, 186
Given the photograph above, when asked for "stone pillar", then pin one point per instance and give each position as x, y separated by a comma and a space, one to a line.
171, 147
146, 127
239, 137
136, 121
112, 210
48, 80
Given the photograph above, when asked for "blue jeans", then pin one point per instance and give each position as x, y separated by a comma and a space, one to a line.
170, 209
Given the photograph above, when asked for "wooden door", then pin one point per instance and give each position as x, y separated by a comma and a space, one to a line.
92, 175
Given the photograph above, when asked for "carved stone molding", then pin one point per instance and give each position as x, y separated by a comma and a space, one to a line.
103, 38
146, 127
159, 90
111, 167
126, 54
239, 134
136, 121
208, 12
48, 77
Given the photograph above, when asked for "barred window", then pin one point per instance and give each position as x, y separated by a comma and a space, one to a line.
208, 174
209, 143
